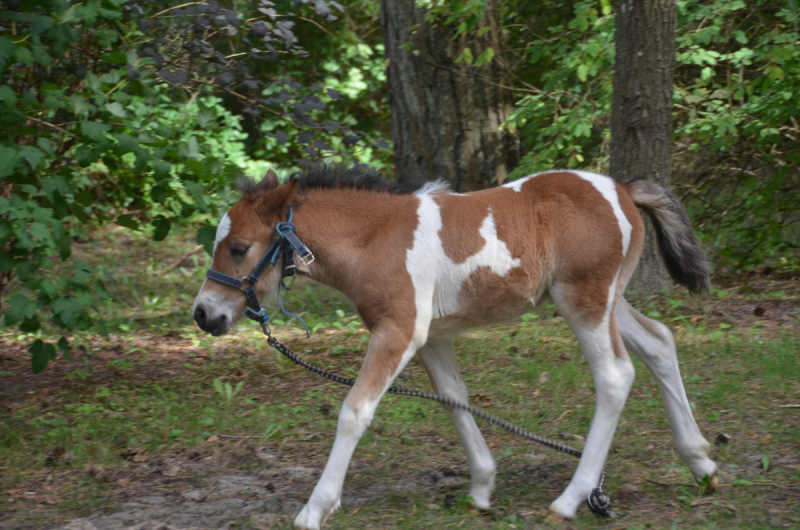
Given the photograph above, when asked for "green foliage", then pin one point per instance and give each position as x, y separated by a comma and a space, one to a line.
227, 391
736, 105
133, 114
737, 101
563, 119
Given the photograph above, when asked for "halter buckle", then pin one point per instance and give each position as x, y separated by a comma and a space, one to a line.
308, 259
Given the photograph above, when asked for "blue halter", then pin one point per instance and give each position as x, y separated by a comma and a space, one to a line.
285, 245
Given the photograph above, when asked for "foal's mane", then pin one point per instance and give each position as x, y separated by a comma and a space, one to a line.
328, 177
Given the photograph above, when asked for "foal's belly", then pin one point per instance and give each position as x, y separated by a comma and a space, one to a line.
480, 307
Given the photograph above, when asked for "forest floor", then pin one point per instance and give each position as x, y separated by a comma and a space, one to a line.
144, 429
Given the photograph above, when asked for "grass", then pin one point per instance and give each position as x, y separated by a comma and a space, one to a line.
157, 410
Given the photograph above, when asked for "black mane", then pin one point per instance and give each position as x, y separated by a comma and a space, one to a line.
335, 176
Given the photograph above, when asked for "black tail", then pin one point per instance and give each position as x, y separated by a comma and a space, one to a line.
682, 253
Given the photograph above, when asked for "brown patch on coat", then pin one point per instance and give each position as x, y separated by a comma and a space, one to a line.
586, 233
461, 224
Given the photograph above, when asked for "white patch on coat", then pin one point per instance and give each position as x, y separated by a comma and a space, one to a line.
223, 230
516, 185
608, 189
437, 279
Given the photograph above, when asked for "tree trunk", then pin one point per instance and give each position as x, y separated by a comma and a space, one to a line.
641, 113
446, 115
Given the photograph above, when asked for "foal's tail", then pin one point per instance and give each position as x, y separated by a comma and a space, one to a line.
679, 247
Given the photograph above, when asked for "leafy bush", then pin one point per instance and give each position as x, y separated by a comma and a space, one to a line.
113, 111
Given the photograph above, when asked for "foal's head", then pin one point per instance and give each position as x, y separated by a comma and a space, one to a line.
243, 236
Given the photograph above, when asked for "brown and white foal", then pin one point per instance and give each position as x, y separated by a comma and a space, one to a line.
423, 264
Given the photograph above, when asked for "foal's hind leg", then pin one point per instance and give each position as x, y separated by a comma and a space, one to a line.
653, 344
613, 376
439, 360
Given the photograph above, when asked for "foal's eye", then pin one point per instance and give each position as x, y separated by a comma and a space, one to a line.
239, 250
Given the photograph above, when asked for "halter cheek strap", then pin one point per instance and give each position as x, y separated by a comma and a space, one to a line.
285, 246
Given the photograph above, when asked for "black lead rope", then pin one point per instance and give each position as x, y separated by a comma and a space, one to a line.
599, 502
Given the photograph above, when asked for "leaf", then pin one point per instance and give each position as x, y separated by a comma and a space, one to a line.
161, 168
126, 143
94, 131
334, 94
351, 139
41, 354
206, 236
77, 104
116, 109
305, 137
8, 159
63, 347
485, 57
33, 156
128, 221
582, 71
67, 309
161, 226
466, 56
193, 148
7, 96
5, 231
20, 308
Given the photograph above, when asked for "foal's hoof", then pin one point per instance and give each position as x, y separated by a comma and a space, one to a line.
713, 484
554, 518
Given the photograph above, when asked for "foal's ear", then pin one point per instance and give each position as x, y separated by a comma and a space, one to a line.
278, 199
270, 181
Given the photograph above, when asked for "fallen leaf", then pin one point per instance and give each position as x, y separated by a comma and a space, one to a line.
212, 438
544, 377
695, 318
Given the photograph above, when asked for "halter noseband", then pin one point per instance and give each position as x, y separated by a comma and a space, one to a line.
285, 245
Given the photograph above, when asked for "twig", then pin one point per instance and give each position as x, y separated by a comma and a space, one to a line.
56, 127
233, 437
175, 7
791, 406
180, 260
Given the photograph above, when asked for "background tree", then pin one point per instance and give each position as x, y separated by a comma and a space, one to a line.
448, 93
641, 113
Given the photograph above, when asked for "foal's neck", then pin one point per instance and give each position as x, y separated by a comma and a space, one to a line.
350, 231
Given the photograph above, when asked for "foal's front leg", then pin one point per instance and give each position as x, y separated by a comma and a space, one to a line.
387, 355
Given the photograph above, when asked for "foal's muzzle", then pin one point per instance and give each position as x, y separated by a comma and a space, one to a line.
216, 326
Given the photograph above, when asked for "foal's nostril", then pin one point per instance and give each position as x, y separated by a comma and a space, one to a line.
200, 317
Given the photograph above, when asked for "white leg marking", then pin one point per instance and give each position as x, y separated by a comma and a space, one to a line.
440, 362
326, 497
327, 494
613, 378
654, 345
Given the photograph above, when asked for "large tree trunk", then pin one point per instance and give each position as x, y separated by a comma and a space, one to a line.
641, 112
446, 116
